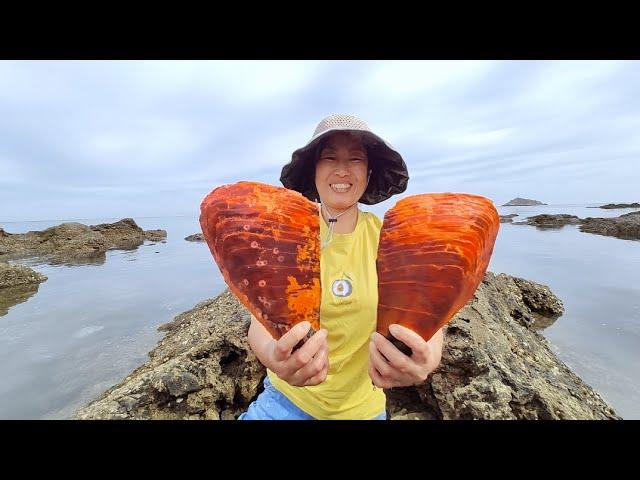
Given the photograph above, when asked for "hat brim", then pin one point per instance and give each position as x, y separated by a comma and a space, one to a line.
389, 174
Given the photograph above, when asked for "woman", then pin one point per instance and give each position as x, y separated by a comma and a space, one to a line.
340, 371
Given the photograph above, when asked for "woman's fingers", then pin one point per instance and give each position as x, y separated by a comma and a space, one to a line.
311, 373
289, 340
308, 351
321, 376
378, 361
395, 357
309, 364
419, 347
377, 379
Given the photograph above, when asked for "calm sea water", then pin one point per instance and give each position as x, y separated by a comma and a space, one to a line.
89, 326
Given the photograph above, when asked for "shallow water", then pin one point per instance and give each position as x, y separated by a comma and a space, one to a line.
88, 326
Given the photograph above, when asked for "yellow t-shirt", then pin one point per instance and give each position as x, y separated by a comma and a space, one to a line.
348, 310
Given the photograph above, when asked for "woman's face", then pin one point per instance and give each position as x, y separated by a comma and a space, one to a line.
341, 171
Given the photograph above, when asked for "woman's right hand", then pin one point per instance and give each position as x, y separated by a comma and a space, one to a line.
306, 366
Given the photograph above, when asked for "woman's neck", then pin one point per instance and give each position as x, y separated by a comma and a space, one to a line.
347, 218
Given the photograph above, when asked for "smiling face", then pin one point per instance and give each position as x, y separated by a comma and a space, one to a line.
341, 171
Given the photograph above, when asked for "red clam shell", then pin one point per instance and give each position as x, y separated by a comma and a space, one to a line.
433, 253
265, 240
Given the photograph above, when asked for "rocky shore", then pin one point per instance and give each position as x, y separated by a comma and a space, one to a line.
17, 275
17, 285
625, 226
75, 241
495, 365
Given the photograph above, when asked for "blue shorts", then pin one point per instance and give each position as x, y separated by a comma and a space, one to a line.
273, 405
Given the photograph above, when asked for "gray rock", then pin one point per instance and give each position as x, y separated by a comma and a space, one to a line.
619, 205
155, 235
507, 218
126, 234
17, 275
546, 221
74, 242
17, 285
522, 202
179, 383
494, 365
626, 226
196, 237
66, 239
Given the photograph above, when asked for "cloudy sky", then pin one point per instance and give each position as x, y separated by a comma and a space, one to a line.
90, 139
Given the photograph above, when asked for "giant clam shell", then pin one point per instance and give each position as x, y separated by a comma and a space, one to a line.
433, 253
265, 240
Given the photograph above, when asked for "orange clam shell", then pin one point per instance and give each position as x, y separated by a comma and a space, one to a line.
433, 253
265, 240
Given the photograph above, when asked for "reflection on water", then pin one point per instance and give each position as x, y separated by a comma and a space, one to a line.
542, 322
61, 260
10, 296
549, 227
91, 324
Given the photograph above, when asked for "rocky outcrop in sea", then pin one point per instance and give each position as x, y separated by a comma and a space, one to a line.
17, 275
495, 365
17, 285
508, 218
74, 241
619, 205
196, 237
626, 226
550, 221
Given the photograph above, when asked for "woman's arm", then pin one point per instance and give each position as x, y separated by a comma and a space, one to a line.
307, 366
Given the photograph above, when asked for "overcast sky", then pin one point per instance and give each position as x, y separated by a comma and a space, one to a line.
90, 139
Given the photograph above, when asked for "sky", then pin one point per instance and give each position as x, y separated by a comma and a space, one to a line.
116, 139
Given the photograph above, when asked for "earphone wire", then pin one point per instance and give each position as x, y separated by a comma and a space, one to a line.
332, 221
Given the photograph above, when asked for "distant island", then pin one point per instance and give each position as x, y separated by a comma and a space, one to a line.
522, 202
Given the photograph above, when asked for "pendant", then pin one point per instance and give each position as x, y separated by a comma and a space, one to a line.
342, 288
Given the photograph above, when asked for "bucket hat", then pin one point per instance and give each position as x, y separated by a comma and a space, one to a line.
389, 173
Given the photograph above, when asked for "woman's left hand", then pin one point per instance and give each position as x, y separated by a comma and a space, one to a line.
389, 367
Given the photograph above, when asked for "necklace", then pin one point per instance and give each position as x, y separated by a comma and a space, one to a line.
333, 219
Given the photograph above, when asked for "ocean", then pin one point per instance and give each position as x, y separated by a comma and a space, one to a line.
89, 325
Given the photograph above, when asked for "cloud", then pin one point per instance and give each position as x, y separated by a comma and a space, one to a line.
84, 137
